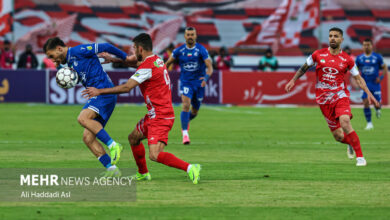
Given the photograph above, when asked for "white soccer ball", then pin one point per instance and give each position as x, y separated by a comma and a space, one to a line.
67, 77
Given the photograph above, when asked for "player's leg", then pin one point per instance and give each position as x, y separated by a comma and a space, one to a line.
196, 102
340, 136
94, 116
378, 96
138, 149
185, 114
352, 138
367, 112
97, 149
156, 153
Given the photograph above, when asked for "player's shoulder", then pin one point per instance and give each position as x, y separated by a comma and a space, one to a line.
200, 46
376, 55
82, 48
180, 48
151, 62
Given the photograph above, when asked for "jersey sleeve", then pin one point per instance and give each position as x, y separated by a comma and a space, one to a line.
204, 53
352, 67
312, 59
89, 50
141, 75
175, 53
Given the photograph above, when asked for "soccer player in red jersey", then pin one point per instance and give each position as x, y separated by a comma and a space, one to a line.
331, 92
153, 79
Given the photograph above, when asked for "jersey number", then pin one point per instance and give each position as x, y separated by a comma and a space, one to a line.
167, 80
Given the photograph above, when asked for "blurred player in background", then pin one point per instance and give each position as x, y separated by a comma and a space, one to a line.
369, 64
331, 93
153, 79
97, 111
193, 59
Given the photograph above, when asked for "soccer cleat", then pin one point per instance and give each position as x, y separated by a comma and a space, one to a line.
115, 153
378, 113
115, 172
186, 139
369, 126
350, 152
360, 162
194, 173
140, 177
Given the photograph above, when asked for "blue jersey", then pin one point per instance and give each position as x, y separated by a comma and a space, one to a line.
369, 66
191, 61
83, 58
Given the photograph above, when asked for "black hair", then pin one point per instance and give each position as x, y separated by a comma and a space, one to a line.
190, 29
368, 40
52, 43
6, 42
336, 29
144, 40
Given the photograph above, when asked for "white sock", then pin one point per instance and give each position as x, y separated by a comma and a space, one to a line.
185, 132
113, 167
189, 168
111, 145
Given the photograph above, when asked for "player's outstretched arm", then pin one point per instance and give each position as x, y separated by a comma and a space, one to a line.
169, 62
362, 84
90, 92
301, 71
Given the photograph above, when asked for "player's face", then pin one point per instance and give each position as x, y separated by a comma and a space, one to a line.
335, 39
367, 47
190, 37
138, 52
57, 55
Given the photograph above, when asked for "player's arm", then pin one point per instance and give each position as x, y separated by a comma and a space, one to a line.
209, 71
362, 84
170, 61
130, 61
385, 71
90, 92
301, 71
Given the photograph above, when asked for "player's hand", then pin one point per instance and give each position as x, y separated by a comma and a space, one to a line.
90, 92
289, 85
106, 56
378, 80
203, 82
372, 100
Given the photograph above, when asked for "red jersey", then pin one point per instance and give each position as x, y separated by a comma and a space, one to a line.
330, 72
6, 59
155, 85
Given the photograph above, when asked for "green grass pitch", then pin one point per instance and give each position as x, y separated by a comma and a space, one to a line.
258, 163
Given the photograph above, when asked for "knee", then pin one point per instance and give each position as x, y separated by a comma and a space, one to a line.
186, 107
339, 137
153, 155
133, 140
81, 120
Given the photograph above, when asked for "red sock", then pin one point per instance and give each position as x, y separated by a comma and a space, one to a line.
345, 140
139, 156
354, 141
172, 161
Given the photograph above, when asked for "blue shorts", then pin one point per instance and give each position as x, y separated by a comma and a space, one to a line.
375, 90
103, 105
194, 91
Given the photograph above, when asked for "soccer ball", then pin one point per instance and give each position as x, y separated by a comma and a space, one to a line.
67, 78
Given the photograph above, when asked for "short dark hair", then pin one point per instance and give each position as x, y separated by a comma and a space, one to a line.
336, 29
6, 42
189, 29
368, 40
144, 40
52, 43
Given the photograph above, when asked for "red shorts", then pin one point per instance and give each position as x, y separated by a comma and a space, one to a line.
155, 129
333, 111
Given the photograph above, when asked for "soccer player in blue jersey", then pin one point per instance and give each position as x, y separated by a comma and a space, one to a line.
196, 68
369, 64
96, 112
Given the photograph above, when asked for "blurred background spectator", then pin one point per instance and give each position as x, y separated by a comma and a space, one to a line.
223, 61
28, 60
7, 56
167, 53
268, 62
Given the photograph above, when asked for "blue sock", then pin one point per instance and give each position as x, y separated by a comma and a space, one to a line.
105, 160
185, 119
367, 113
103, 136
192, 116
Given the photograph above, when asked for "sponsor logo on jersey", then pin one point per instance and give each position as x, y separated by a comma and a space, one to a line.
330, 70
191, 66
324, 55
158, 63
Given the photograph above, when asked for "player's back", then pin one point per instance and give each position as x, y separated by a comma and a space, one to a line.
369, 66
155, 86
83, 58
191, 61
